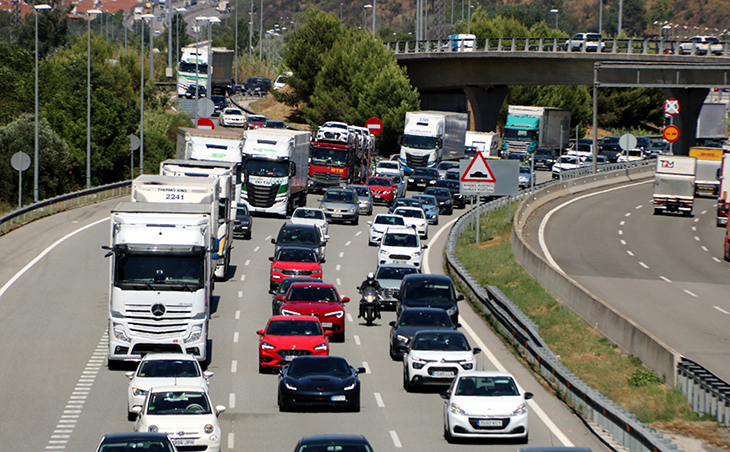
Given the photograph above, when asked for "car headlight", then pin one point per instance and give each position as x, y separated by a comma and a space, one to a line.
521, 409
119, 333
267, 346
277, 269
456, 409
402, 338
410, 179
384, 252
139, 392
417, 363
322, 346
350, 388
432, 182
416, 254
452, 310
208, 428
337, 314
288, 312
152, 429
290, 387
195, 335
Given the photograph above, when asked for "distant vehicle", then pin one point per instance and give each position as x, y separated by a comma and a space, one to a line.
190, 92
674, 184
658, 147
460, 43
293, 261
220, 103
405, 202
389, 276
429, 291
388, 167
255, 121
401, 245
436, 357
630, 155
701, 45
365, 199
443, 197
422, 178
286, 337
349, 443
320, 300
139, 441
310, 215
458, 200
382, 189
412, 320
430, 207
232, 117
415, 217
274, 124
544, 158
586, 42
341, 204
257, 85
565, 163
280, 81
243, 223
319, 381
308, 235
400, 185
525, 177
444, 166
283, 288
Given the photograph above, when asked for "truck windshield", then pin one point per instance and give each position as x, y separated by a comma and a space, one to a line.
419, 142
331, 157
271, 168
159, 271
190, 67
519, 134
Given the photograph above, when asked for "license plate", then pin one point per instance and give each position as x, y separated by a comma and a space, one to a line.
183, 442
488, 423
336, 215
326, 324
443, 374
338, 398
288, 357
399, 261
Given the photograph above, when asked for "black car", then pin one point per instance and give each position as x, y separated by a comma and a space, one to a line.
429, 291
303, 235
284, 288
610, 148
190, 92
257, 85
443, 196
405, 202
326, 443
412, 320
243, 223
136, 442
544, 158
454, 187
421, 178
274, 124
319, 381
219, 102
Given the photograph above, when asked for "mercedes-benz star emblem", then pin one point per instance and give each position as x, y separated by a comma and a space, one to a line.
158, 310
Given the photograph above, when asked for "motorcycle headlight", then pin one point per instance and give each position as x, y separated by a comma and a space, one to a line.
139, 392
322, 346
456, 409
521, 409
267, 346
370, 298
152, 428
208, 428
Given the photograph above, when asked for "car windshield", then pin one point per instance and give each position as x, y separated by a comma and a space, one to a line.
547, 152
233, 111
410, 213
417, 317
379, 181
299, 236
573, 160
447, 165
294, 328
441, 341
312, 293
524, 170
325, 156
400, 239
136, 445
178, 402
452, 175
438, 192
390, 220
311, 214
408, 202
388, 165
425, 172
333, 366
241, 211
609, 140
425, 290
427, 200
339, 125
168, 368
361, 191
295, 255
257, 118
395, 272
340, 196
452, 184
486, 386
340, 446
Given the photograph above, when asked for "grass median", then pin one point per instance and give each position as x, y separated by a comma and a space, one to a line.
586, 353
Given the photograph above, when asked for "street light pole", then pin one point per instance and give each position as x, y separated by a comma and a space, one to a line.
38, 8
468, 19
198, 21
555, 11
89, 13
211, 20
261, 31
365, 13
235, 58
169, 39
152, 51
374, 8
177, 50
143, 17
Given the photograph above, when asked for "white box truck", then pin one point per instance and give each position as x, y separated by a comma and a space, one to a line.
275, 166
528, 128
431, 136
484, 142
674, 184
161, 275
173, 189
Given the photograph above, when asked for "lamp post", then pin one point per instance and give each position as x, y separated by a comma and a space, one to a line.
261, 31
211, 20
468, 19
198, 21
365, 14
177, 50
152, 50
250, 32
375, 4
38, 8
555, 11
143, 17
235, 54
89, 13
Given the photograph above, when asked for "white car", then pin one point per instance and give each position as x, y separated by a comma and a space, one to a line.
388, 168
435, 357
380, 223
566, 163
701, 45
589, 42
309, 215
630, 155
162, 369
401, 245
414, 216
280, 81
232, 117
185, 414
485, 404
335, 131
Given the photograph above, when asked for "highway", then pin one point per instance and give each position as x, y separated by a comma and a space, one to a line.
61, 396
665, 272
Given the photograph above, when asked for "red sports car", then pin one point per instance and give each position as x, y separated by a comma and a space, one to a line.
320, 300
287, 337
382, 188
293, 261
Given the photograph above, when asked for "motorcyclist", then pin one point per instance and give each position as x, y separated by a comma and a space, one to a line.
369, 282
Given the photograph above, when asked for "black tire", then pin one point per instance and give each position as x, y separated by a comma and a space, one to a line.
425, 236
406, 382
657, 211
393, 356
131, 417
447, 435
339, 337
356, 221
524, 440
115, 365
356, 407
371, 243
369, 318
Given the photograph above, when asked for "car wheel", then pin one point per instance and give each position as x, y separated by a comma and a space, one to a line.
339, 337
356, 221
447, 434
524, 440
425, 236
406, 381
371, 243
657, 211
131, 417
393, 356
356, 407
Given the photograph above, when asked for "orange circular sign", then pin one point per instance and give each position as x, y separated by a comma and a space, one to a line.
671, 133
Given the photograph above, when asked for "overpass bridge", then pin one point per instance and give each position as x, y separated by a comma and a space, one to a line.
446, 79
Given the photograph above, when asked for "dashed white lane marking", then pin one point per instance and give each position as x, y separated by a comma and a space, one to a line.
348, 243
357, 339
339, 283
665, 279
696, 220
694, 228
366, 366
643, 265
342, 253
234, 366
689, 293
231, 438
628, 214
232, 400
623, 242
379, 400
268, 238
243, 277
638, 207
358, 233
240, 294
349, 318
629, 253
620, 232
703, 212
704, 248
721, 310
235, 337
247, 262
622, 223
396, 441
716, 260
256, 249
337, 267
697, 239
238, 315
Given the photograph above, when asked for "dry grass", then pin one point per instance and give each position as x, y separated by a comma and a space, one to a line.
269, 107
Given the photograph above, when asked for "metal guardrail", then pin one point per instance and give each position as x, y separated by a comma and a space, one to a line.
551, 45
60, 203
515, 325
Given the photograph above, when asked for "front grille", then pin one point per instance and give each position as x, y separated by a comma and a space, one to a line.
433, 370
390, 293
400, 257
284, 353
517, 146
298, 272
328, 178
416, 161
475, 423
261, 195
143, 349
172, 323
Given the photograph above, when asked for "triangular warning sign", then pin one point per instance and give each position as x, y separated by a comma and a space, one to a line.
478, 171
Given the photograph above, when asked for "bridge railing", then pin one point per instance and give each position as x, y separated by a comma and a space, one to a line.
651, 46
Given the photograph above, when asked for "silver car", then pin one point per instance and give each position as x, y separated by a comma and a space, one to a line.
389, 276
340, 204
364, 199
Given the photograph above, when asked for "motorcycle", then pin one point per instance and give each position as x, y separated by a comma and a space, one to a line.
370, 302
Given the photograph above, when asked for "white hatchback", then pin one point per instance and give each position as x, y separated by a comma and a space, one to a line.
161, 369
401, 245
416, 217
435, 357
380, 223
185, 414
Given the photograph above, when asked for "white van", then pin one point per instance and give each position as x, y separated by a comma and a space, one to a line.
461, 43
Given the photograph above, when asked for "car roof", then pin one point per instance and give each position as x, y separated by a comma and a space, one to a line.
484, 373
407, 208
300, 226
287, 246
293, 317
554, 449
135, 435
178, 388
318, 439
312, 284
427, 277
401, 230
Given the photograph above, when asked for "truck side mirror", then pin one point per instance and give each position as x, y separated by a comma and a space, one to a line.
439, 142
292, 169
245, 175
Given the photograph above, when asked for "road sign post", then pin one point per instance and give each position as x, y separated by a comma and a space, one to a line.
20, 161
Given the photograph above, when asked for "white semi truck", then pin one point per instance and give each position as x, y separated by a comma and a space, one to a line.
275, 166
173, 189
202, 144
431, 136
161, 276
674, 184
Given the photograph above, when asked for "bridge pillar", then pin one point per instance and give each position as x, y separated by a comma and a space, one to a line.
690, 103
485, 104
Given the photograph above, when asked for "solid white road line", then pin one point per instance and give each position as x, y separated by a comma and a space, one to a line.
396, 441
379, 400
